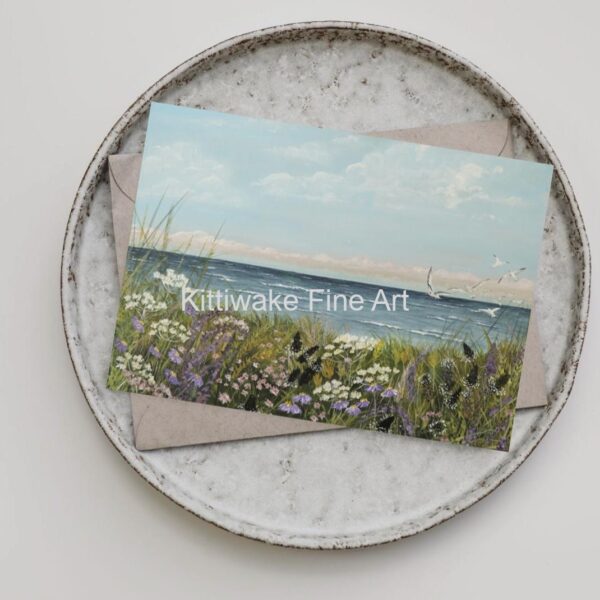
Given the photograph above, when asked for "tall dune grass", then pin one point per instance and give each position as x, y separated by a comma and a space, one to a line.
276, 364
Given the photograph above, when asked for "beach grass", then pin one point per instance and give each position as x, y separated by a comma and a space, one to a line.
300, 367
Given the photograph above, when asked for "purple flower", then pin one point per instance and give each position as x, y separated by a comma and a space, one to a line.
353, 410
120, 345
171, 377
340, 405
411, 374
406, 423
491, 361
190, 310
493, 411
195, 379
502, 445
375, 387
137, 324
363, 404
302, 399
506, 400
154, 351
389, 393
290, 408
470, 436
174, 356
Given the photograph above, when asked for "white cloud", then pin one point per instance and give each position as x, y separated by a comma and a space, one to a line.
181, 169
388, 180
313, 152
463, 186
318, 187
513, 201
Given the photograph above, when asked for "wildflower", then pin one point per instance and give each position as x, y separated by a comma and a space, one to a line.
502, 444
363, 403
120, 345
302, 399
290, 408
154, 351
172, 279
389, 393
195, 379
171, 377
340, 405
374, 388
409, 380
406, 422
137, 324
491, 361
174, 356
470, 436
353, 410
224, 398
190, 310
437, 426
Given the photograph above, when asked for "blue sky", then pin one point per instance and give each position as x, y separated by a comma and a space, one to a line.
310, 199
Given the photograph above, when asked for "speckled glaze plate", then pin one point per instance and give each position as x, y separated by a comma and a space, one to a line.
346, 488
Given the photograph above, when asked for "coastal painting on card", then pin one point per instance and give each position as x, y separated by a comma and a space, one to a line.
330, 276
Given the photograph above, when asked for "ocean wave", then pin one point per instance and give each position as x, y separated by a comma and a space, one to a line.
448, 318
427, 333
287, 287
380, 324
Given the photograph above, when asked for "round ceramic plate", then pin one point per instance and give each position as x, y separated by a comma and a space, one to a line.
345, 488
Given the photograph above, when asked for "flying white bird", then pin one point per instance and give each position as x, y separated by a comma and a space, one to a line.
469, 290
489, 311
476, 285
514, 275
459, 290
430, 291
498, 262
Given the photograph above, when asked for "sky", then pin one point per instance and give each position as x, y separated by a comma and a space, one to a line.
342, 204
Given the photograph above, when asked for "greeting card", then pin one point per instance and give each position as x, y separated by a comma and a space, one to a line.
329, 276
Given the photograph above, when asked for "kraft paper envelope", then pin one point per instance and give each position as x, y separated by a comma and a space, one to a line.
167, 422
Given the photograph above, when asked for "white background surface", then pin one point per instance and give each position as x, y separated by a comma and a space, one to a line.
75, 520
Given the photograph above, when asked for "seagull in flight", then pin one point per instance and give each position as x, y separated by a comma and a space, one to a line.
514, 275
489, 311
498, 262
469, 290
476, 285
430, 291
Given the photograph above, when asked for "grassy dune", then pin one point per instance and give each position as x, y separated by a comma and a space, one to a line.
274, 364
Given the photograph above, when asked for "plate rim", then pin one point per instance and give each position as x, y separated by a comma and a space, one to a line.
94, 173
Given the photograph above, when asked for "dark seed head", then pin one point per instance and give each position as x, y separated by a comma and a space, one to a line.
473, 374
296, 343
468, 351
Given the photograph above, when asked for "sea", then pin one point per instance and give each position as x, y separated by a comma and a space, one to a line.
428, 320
